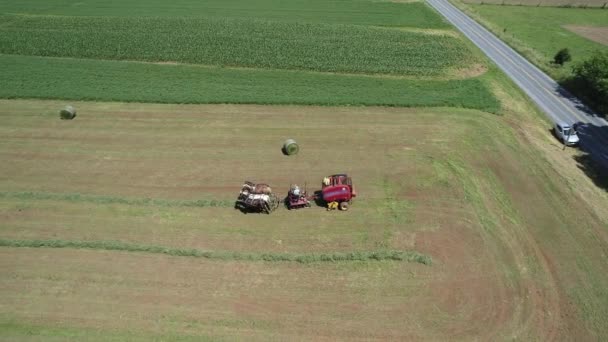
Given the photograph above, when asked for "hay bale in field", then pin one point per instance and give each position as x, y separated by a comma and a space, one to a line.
290, 147
67, 113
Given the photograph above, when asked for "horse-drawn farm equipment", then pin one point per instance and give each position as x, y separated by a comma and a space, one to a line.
257, 198
337, 193
297, 198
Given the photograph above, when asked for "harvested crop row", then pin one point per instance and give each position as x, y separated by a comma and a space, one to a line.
237, 43
76, 198
380, 255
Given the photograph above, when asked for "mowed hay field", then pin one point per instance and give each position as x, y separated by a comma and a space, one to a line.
513, 252
120, 224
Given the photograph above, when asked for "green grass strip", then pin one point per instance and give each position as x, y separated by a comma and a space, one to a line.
93, 80
78, 198
380, 13
304, 258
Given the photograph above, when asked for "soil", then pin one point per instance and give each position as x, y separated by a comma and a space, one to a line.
597, 34
472, 71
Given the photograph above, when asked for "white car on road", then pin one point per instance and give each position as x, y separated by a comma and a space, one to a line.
566, 133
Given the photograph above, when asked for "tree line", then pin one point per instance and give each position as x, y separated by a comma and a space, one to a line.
589, 80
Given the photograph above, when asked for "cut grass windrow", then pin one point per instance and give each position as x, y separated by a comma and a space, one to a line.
74, 197
381, 255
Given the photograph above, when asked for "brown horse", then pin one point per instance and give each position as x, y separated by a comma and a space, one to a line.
257, 188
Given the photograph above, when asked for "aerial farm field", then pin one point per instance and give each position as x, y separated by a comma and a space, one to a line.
539, 32
470, 222
492, 231
204, 55
544, 3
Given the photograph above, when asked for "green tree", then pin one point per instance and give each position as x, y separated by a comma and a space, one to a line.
562, 56
592, 79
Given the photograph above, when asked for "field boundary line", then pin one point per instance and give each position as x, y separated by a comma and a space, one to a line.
303, 258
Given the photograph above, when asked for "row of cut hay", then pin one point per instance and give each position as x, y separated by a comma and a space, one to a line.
382, 255
79, 198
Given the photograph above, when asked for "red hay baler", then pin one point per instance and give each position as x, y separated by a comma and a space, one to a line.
338, 190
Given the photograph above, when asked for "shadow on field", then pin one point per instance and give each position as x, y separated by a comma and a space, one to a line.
578, 93
552, 132
316, 201
248, 210
594, 158
598, 174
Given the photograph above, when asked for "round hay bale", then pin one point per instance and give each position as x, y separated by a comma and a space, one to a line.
290, 147
67, 113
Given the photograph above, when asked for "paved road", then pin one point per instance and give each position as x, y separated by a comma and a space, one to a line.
556, 102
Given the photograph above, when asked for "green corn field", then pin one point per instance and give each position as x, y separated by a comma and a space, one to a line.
236, 43
375, 13
84, 79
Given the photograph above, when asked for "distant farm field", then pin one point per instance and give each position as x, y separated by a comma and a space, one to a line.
543, 3
369, 13
236, 43
454, 185
597, 34
339, 53
540, 32
37, 77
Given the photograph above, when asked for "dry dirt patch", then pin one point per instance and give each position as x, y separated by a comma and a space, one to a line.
473, 70
597, 34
